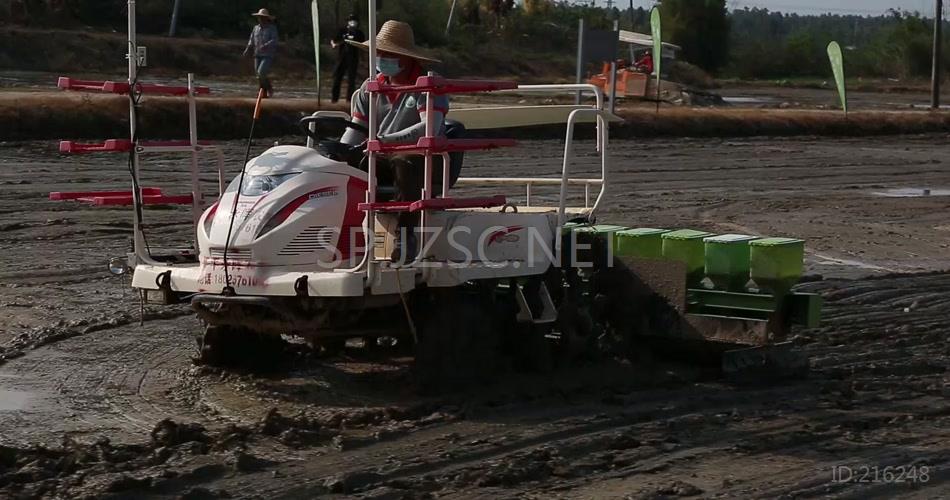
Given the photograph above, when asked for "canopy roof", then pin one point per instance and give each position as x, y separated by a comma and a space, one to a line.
643, 40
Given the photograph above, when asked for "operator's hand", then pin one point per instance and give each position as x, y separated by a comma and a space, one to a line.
333, 44
244, 54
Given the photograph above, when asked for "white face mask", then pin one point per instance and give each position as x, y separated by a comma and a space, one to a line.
388, 66
352, 24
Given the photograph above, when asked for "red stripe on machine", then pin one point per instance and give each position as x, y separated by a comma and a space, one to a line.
292, 207
352, 225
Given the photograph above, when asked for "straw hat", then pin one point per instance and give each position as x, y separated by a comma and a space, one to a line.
262, 13
396, 37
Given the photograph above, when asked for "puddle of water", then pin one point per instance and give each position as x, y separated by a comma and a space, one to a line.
912, 192
746, 100
13, 400
827, 260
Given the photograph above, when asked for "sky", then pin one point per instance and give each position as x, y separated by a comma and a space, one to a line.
859, 7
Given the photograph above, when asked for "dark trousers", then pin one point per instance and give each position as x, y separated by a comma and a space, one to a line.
407, 175
346, 66
262, 67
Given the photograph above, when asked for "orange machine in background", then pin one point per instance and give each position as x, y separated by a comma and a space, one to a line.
630, 83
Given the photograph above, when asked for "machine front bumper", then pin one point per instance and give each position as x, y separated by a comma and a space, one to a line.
261, 281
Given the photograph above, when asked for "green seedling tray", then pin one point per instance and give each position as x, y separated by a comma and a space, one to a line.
594, 243
686, 245
776, 263
727, 260
643, 243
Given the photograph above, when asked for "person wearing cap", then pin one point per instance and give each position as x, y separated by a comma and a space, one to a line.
264, 42
401, 118
348, 59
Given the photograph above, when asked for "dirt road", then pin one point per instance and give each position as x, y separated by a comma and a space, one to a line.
93, 404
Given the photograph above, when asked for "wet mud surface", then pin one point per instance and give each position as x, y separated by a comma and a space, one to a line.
95, 404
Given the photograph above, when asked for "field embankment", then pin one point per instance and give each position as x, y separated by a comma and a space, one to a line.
50, 116
73, 52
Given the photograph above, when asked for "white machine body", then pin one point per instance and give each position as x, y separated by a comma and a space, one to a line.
298, 215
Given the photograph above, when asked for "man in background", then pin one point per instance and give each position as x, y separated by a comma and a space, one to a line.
348, 59
264, 42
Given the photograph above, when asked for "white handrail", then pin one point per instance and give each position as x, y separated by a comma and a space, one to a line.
603, 133
568, 156
430, 132
446, 174
577, 87
197, 201
542, 181
369, 222
329, 114
529, 182
557, 87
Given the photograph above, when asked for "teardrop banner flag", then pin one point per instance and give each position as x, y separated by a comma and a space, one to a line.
657, 30
315, 15
837, 66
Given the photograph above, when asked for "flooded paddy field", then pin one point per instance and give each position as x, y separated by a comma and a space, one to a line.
93, 403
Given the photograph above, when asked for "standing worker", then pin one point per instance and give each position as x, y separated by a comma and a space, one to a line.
264, 41
348, 58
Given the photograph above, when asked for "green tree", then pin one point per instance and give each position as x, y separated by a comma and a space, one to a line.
701, 27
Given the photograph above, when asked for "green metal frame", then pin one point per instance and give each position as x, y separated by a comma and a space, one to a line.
801, 308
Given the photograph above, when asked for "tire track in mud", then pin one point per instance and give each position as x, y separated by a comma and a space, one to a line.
43, 336
107, 381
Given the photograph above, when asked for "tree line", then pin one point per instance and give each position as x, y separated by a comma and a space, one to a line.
748, 43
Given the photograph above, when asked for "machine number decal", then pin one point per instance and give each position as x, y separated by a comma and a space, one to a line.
217, 278
324, 193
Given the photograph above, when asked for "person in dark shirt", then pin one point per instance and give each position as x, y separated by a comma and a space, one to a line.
348, 58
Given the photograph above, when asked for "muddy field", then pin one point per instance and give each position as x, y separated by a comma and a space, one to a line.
94, 404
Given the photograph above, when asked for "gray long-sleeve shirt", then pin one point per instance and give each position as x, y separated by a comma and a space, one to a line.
264, 40
400, 120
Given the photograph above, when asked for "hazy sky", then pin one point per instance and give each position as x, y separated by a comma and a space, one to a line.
862, 7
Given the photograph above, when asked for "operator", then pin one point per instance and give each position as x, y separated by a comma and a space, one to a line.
264, 42
401, 119
645, 63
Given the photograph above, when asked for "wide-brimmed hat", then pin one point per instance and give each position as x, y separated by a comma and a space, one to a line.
262, 13
396, 37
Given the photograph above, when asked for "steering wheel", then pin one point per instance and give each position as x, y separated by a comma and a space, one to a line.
331, 147
323, 123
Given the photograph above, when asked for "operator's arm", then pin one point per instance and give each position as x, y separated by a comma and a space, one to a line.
412, 133
359, 114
